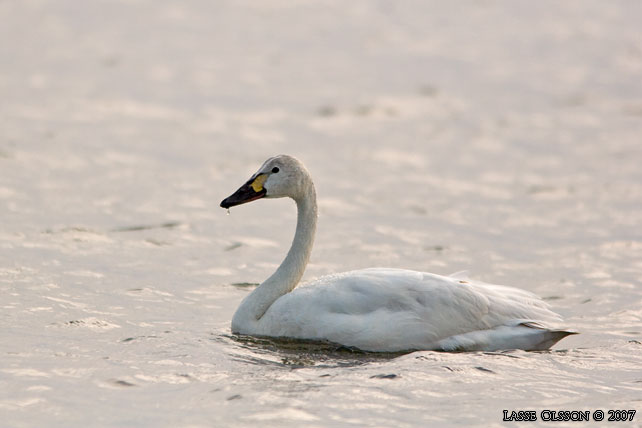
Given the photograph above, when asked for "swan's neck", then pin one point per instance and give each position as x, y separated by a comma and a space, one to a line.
289, 273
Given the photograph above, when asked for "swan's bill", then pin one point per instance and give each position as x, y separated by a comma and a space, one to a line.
250, 191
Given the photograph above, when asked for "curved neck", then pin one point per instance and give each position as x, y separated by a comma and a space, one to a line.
289, 273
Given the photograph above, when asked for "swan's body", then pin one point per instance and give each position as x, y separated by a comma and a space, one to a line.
380, 309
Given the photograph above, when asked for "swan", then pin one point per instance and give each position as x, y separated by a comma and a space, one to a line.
380, 309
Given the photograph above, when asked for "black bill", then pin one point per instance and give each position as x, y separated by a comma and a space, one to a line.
250, 191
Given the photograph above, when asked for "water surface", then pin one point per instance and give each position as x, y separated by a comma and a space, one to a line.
498, 137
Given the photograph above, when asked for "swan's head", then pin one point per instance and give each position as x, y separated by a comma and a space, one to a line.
278, 177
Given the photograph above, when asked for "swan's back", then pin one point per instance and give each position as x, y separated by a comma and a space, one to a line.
394, 310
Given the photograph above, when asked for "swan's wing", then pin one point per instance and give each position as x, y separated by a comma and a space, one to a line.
391, 309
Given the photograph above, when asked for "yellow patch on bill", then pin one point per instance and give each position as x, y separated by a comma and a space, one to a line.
257, 184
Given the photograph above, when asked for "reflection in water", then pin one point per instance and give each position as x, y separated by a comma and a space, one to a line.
301, 353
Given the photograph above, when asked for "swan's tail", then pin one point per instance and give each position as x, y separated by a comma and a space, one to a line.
549, 337
528, 336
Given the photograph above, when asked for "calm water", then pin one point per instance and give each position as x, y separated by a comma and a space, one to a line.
499, 137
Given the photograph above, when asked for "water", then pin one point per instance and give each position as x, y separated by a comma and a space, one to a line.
502, 138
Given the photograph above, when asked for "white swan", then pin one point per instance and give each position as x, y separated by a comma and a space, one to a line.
380, 309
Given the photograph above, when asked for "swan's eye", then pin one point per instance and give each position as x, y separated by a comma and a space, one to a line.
275, 169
